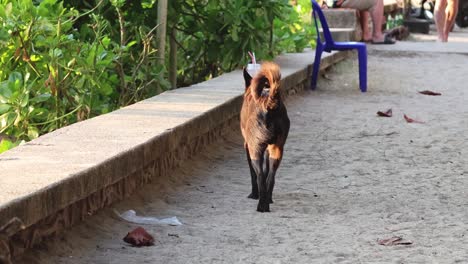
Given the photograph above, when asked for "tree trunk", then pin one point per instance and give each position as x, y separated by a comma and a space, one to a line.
173, 59
161, 31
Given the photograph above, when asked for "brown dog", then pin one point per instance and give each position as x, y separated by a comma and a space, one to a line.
265, 125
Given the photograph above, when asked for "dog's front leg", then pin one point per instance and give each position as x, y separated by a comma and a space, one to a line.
253, 175
267, 163
270, 180
263, 204
275, 156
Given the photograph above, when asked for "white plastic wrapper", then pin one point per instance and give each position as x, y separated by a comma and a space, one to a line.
130, 216
252, 69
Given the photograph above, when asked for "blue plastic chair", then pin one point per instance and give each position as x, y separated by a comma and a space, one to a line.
329, 44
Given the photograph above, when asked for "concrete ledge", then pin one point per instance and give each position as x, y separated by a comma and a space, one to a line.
341, 17
343, 34
343, 23
60, 178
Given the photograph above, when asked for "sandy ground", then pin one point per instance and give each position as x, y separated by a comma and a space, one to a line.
348, 179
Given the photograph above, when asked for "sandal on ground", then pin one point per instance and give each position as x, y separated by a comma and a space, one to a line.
387, 40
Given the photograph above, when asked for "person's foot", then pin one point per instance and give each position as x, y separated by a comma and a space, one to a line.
442, 38
386, 39
367, 38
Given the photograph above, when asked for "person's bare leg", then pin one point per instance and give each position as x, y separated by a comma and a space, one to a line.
450, 14
439, 19
366, 34
376, 13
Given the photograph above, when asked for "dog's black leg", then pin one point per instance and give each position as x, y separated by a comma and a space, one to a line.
263, 204
267, 162
275, 155
253, 176
270, 181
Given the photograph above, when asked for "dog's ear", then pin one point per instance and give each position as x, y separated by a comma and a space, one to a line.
247, 78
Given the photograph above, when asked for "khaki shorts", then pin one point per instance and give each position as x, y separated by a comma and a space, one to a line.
361, 5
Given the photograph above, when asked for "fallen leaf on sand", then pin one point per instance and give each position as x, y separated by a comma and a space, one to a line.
387, 113
326, 76
411, 120
139, 237
394, 241
427, 92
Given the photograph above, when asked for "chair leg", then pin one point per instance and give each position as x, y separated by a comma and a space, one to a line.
362, 56
315, 70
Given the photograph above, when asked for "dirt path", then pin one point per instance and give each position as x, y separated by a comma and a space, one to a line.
348, 179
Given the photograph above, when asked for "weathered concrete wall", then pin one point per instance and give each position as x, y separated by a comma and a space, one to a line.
60, 178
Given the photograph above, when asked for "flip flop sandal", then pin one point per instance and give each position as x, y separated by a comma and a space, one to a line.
387, 40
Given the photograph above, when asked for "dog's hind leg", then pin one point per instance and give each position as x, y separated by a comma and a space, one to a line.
275, 156
253, 175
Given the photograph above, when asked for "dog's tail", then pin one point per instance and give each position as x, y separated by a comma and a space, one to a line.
268, 77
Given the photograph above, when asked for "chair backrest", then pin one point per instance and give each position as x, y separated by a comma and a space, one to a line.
317, 12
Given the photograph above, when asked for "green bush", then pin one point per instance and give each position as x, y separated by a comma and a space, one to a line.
61, 64
53, 74
214, 36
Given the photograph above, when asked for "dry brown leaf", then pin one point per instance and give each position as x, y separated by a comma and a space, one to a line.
411, 120
427, 92
387, 113
394, 241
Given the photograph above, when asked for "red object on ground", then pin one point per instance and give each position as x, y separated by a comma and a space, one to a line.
139, 237
387, 113
411, 120
427, 92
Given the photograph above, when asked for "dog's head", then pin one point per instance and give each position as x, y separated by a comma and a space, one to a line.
265, 84
269, 77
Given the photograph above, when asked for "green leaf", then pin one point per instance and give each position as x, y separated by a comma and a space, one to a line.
5, 145
35, 58
24, 100
2, 11
117, 3
234, 35
33, 132
6, 120
5, 92
57, 53
40, 98
39, 114
131, 43
4, 35
15, 76
106, 41
106, 89
4, 108
8, 9
147, 3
